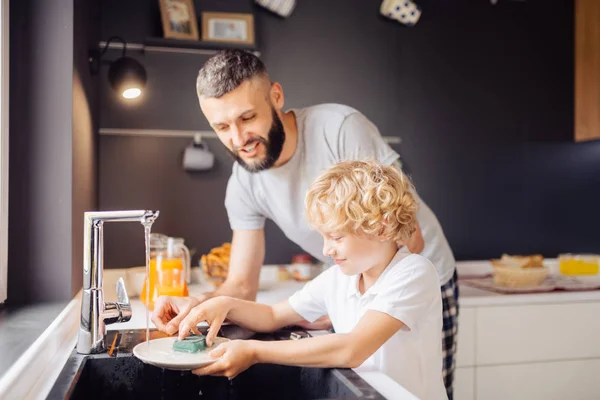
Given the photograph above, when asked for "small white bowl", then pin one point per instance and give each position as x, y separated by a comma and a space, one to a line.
135, 280
269, 277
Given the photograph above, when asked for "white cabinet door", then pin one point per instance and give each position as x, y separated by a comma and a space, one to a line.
464, 384
572, 380
465, 348
526, 334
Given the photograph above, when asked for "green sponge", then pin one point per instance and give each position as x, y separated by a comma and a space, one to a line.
190, 344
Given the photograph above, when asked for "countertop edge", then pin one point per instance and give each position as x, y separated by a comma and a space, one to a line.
507, 300
34, 373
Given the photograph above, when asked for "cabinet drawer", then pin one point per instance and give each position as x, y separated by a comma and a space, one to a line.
517, 334
558, 380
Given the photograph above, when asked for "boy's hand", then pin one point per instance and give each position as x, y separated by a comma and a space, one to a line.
213, 311
169, 311
236, 357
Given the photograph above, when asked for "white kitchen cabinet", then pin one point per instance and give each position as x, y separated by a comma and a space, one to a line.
464, 383
573, 380
528, 334
465, 356
539, 350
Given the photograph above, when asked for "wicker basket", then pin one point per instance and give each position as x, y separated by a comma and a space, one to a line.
519, 277
215, 264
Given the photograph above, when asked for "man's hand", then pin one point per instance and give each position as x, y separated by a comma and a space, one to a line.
235, 357
170, 311
213, 311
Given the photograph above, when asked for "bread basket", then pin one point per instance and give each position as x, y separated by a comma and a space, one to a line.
215, 264
519, 271
519, 277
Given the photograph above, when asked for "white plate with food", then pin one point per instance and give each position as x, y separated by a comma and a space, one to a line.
160, 353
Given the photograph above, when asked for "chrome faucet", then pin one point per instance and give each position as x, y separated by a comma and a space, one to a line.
95, 313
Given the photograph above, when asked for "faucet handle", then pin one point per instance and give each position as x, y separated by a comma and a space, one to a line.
123, 303
122, 296
119, 311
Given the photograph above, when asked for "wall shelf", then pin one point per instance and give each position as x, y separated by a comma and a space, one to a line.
157, 133
187, 134
177, 46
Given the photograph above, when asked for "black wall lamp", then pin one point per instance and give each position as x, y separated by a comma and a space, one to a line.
125, 75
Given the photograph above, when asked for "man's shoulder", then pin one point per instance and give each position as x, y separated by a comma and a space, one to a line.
330, 112
322, 124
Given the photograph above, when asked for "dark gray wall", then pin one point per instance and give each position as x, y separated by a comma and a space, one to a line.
50, 133
85, 126
41, 75
481, 95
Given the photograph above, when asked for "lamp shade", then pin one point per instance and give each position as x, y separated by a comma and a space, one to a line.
127, 77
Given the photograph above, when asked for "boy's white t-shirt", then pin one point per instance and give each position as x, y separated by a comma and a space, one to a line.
408, 290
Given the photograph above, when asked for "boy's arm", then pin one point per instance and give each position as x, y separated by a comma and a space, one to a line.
254, 316
336, 351
408, 293
348, 350
261, 317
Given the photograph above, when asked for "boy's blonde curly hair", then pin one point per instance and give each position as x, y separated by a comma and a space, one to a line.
363, 198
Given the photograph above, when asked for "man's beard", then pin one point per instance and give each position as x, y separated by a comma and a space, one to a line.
273, 147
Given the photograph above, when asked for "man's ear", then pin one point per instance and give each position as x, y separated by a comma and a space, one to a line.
277, 97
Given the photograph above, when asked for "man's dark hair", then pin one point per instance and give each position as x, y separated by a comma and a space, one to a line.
227, 70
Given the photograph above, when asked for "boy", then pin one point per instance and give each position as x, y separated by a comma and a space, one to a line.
384, 303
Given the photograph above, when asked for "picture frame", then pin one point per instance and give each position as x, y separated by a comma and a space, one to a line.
179, 19
222, 27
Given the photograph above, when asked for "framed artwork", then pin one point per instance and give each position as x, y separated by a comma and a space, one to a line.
179, 19
232, 28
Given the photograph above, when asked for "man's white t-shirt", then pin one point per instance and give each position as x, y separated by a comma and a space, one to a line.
327, 134
408, 290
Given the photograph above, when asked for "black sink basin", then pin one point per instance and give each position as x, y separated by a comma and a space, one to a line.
119, 375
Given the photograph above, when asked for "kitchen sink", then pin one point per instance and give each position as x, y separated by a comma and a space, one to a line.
118, 374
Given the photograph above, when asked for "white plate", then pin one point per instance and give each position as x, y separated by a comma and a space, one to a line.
578, 282
160, 353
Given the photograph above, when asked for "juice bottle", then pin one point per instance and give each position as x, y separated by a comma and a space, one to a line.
169, 270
